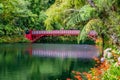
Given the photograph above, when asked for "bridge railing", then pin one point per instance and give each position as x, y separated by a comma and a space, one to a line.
33, 35
56, 32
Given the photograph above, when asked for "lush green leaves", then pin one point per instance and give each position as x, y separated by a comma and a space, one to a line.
84, 14
112, 74
104, 5
94, 24
22, 14
1, 8
61, 10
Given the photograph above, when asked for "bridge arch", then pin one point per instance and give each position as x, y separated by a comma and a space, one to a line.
34, 35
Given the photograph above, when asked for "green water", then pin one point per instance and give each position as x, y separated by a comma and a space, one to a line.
24, 62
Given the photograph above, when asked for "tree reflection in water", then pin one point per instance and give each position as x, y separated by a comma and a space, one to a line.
17, 63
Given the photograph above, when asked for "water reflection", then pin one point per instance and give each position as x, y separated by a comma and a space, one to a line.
64, 51
44, 61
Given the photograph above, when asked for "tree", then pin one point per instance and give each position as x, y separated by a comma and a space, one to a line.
10, 11
88, 15
58, 13
22, 14
103, 17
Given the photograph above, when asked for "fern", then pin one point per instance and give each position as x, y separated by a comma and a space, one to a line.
48, 24
94, 24
79, 3
104, 4
42, 16
58, 11
85, 13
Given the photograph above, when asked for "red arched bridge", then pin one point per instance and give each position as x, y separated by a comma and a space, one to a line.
34, 35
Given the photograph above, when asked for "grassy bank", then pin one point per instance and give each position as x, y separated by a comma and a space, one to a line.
13, 39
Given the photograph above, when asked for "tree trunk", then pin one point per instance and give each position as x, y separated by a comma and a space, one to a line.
103, 43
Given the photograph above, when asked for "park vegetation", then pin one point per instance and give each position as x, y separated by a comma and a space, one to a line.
103, 16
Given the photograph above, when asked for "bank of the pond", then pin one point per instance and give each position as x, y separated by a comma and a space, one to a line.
52, 39
107, 67
13, 39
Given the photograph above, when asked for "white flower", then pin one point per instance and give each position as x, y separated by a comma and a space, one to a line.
102, 59
107, 50
119, 59
109, 55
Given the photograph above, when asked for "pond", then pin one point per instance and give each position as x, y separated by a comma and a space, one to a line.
44, 61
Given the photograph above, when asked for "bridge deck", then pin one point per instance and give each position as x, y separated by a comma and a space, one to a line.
56, 32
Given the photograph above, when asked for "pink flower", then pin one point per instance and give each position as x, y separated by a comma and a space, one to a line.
109, 55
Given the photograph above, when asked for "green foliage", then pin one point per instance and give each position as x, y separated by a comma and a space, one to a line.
39, 5
94, 24
11, 9
113, 26
1, 29
112, 74
104, 5
79, 3
108, 17
59, 11
37, 16
1, 8
22, 14
84, 14
9, 30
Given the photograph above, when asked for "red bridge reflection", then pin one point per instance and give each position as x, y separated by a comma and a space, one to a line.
64, 51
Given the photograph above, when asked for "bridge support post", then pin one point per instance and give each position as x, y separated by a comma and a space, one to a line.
28, 35
36, 38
